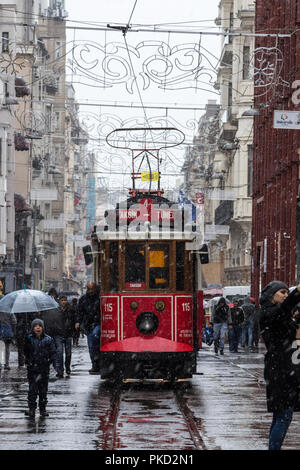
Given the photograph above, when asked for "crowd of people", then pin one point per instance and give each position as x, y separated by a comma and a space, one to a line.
276, 319
46, 338
240, 322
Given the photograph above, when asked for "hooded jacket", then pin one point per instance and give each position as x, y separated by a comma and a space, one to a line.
249, 310
39, 352
278, 330
221, 314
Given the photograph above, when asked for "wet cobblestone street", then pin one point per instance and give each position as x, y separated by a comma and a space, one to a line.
222, 408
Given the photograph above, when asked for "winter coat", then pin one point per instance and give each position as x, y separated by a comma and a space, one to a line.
65, 322
24, 324
278, 330
39, 352
237, 316
88, 312
221, 313
8, 323
249, 310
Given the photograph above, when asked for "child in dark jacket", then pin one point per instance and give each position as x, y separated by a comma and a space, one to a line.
40, 352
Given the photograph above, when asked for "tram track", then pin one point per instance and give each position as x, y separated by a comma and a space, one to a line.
143, 405
189, 420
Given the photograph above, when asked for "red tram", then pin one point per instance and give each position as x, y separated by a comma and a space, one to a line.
151, 297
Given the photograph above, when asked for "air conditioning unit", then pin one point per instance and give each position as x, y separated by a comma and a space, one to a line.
64, 14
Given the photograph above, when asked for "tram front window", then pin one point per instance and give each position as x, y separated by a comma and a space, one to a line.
135, 267
113, 267
159, 267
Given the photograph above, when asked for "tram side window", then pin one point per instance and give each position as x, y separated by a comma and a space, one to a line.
135, 266
113, 267
159, 273
180, 274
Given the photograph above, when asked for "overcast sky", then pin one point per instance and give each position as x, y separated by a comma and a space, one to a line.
87, 76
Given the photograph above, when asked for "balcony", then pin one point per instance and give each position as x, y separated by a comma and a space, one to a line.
228, 125
21, 143
21, 87
224, 213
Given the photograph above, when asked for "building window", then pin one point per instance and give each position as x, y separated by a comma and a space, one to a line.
246, 63
1, 171
250, 170
230, 27
57, 121
5, 41
48, 117
57, 49
54, 262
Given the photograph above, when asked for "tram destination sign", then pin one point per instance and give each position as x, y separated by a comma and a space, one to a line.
286, 119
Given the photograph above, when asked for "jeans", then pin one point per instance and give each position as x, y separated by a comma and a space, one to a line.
93, 340
61, 345
219, 332
38, 387
247, 328
279, 427
234, 335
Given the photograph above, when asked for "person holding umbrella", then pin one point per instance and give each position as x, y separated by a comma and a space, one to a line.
21, 302
24, 321
8, 324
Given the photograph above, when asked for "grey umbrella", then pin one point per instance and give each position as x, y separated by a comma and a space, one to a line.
27, 300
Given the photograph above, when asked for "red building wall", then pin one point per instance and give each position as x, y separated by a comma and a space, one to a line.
276, 157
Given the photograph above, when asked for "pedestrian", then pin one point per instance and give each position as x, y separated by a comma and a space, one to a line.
208, 334
76, 335
278, 329
8, 324
88, 318
247, 327
64, 331
22, 329
40, 352
256, 330
220, 322
237, 319
53, 293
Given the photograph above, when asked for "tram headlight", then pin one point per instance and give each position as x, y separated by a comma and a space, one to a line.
147, 323
134, 305
160, 305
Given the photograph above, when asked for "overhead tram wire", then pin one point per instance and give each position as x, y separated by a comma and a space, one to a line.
39, 15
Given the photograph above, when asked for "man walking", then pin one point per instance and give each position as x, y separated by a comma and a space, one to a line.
88, 318
220, 321
64, 331
250, 313
237, 319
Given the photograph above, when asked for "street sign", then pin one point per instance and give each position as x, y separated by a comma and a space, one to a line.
44, 194
286, 119
199, 198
